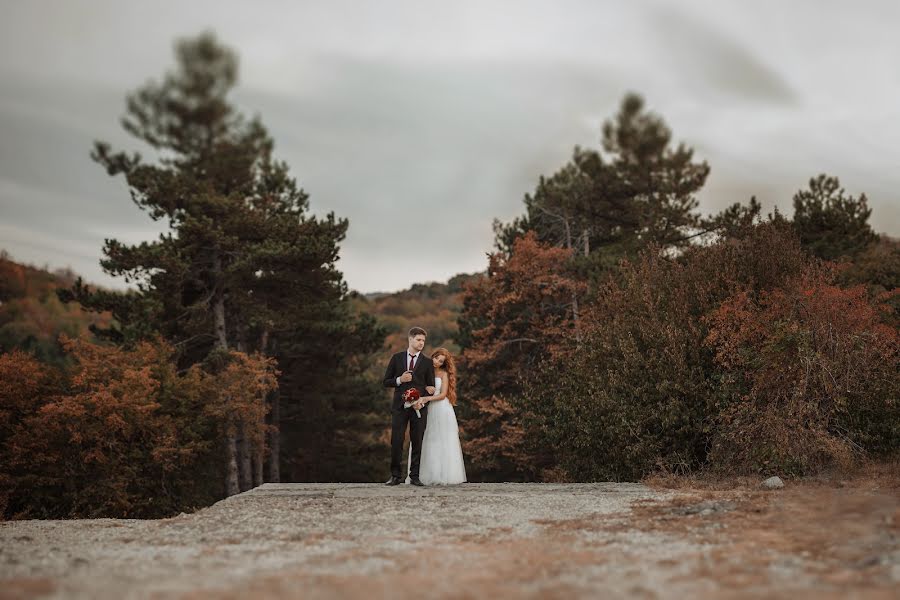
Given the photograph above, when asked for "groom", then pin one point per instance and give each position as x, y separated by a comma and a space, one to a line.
408, 369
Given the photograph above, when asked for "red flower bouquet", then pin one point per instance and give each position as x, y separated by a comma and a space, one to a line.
410, 397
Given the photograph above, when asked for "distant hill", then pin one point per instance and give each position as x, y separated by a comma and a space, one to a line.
432, 306
32, 317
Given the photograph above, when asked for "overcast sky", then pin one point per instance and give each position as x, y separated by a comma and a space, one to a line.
444, 114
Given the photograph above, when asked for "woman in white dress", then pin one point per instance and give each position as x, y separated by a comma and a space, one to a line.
441, 462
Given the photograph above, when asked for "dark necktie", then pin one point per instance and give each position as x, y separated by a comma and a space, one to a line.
412, 362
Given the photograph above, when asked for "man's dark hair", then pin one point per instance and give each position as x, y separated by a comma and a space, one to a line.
417, 331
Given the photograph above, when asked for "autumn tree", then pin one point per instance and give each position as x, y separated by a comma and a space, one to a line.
519, 313
607, 204
124, 433
641, 393
25, 385
878, 269
809, 375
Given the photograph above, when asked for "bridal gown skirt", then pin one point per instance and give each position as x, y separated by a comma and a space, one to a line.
441, 462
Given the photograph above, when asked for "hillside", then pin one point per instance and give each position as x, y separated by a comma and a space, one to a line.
432, 306
32, 317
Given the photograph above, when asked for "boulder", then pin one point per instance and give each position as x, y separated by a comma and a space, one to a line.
773, 483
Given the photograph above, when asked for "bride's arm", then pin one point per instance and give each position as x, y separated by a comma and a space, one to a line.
440, 396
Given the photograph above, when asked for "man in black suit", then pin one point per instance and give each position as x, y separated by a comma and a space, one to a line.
408, 369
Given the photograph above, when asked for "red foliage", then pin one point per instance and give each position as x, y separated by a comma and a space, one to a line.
24, 383
126, 434
236, 395
812, 372
522, 312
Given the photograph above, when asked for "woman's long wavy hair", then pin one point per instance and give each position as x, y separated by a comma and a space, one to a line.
450, 367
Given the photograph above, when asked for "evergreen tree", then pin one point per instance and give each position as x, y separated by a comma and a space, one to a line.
609, 204
243, 265
832, 224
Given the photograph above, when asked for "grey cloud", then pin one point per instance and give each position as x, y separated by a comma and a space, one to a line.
442, 115
705, 59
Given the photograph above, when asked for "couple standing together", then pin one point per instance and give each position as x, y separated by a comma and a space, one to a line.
435, 454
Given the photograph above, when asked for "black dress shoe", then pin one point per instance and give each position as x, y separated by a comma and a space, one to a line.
392, 481
415, 481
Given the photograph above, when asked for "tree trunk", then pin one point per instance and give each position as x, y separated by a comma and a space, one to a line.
275, 438
258, 460
245, 450
219, 303
245, 464
259, 452
587, 252
231, 478
576, 319
574, 295
232, 485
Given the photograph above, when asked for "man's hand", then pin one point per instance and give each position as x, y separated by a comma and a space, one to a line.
406, 377
430, 389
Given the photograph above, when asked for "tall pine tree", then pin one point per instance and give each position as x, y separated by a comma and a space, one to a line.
243, 264
608, 204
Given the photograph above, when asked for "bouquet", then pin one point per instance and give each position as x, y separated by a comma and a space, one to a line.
410, 397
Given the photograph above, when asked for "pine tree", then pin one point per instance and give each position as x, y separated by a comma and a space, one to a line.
608, 204
832, 224
243, 264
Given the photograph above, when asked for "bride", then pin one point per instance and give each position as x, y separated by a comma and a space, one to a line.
441, 461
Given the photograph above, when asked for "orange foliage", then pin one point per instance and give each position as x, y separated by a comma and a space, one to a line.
812, 371
644, 392
237, 395
126, 434
24, 382
31, 315
522, 312
13, 282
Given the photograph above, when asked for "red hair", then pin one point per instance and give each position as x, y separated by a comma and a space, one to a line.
450, 367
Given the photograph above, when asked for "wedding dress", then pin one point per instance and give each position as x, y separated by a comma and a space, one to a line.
441, 461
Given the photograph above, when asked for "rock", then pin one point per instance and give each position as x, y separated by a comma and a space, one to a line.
773, 483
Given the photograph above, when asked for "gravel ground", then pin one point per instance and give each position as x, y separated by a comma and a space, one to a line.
467, 541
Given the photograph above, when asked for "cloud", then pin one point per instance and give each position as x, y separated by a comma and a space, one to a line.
422, 122
714, 66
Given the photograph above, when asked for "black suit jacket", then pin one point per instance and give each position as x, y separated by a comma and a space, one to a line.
423, 375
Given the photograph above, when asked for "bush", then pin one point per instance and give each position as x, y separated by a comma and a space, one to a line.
810, 373
122, 434
643, 392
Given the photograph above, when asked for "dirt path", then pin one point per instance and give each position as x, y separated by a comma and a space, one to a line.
475, 541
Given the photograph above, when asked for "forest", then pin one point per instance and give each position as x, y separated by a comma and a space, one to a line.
615, 331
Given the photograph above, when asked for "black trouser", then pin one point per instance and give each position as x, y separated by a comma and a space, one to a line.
399, 418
